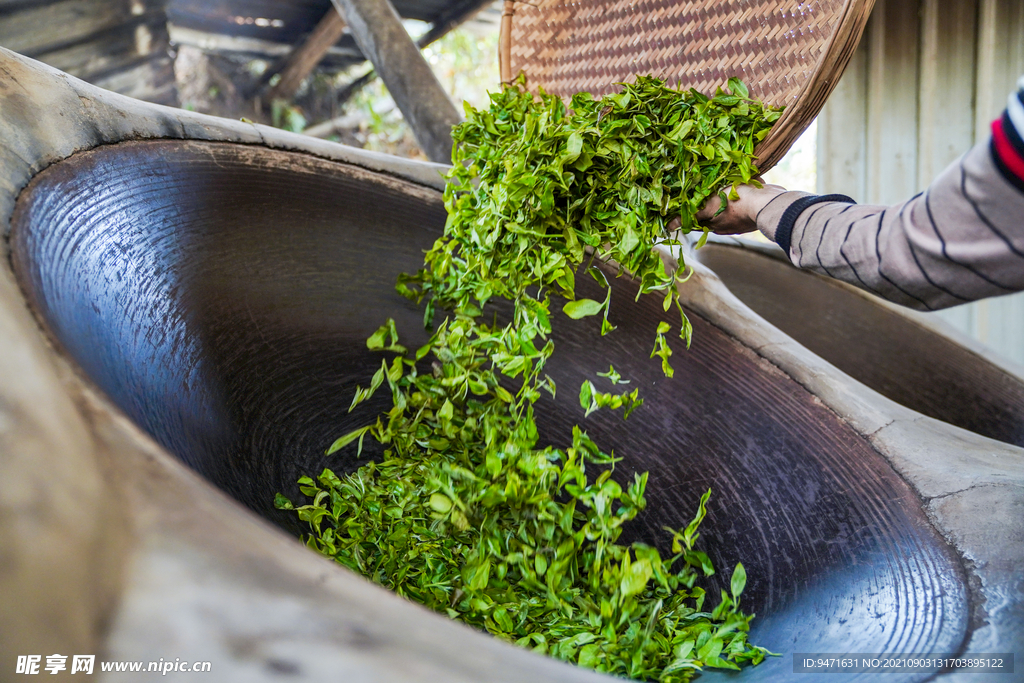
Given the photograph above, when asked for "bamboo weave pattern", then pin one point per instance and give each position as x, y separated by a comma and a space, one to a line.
566, 46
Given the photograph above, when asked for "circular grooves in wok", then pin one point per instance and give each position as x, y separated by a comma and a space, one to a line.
789, 53
886, 351
220, 295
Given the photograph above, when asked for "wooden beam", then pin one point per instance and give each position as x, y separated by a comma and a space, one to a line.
304, 58
34, 28
350, 89
456, 13
412, 84
444, 24
346, 121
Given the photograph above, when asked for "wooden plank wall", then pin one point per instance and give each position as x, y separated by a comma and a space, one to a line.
121, 45
926, 81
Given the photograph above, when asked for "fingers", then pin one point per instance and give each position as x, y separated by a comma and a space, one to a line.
740, 215
732, 220
710, 207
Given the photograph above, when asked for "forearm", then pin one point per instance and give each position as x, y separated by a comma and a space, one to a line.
961, 240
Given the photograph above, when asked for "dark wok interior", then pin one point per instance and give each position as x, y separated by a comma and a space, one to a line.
886, 351
220, 295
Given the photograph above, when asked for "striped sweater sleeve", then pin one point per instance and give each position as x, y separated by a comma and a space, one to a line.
960, 240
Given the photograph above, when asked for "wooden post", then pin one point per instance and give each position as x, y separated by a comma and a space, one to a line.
303, 59
417, 92
445, 23
505, 41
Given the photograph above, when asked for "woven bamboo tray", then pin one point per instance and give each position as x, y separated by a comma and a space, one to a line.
788, 52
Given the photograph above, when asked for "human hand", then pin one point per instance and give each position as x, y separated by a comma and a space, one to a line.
740, 215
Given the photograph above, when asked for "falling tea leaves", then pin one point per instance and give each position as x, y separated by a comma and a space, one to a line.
465, 511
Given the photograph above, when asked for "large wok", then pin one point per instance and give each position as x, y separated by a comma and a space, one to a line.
201, 291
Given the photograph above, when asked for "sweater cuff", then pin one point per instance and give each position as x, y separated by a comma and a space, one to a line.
783, 230
1007, 150
768, 217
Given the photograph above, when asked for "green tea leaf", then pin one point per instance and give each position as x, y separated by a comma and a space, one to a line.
581, 308
636, 578
347, 439
739, 580
737, 87
574, 146
440, 502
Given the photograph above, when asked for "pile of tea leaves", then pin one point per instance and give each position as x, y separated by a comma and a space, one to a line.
466, 512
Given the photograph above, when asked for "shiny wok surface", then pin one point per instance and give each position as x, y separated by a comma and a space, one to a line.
220, 295
886, 351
